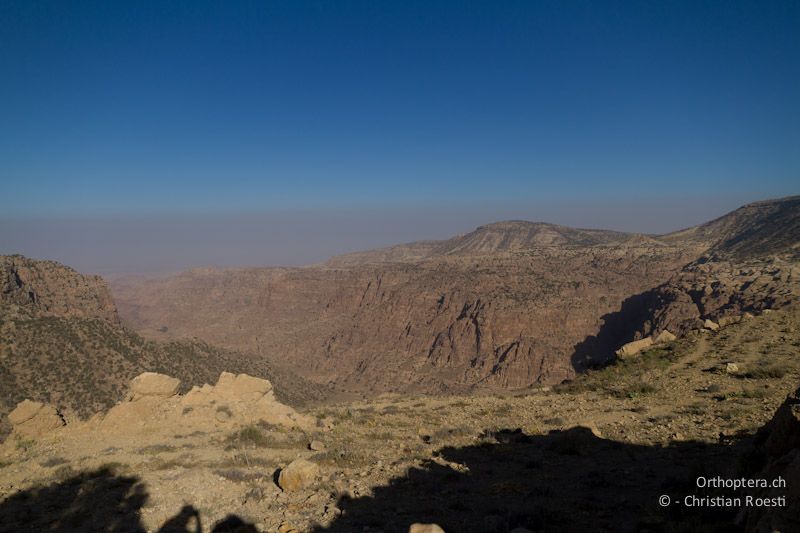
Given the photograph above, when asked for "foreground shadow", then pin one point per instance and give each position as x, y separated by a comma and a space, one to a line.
564, 481
569, 480
97, 501
91, 501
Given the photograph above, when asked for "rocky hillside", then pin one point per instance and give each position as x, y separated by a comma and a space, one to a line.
447, 323
595, 454
509, 305
50, 288
756, 230
751, 264
80, 358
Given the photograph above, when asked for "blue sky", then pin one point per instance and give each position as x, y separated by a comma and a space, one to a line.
222, 108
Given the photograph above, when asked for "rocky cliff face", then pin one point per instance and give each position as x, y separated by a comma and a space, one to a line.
718, 290
508, 318
47, 287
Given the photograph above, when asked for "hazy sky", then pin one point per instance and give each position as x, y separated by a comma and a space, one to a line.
158, 135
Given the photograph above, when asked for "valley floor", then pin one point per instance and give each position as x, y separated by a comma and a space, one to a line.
591, 455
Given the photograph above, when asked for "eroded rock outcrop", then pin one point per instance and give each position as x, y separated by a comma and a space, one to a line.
153, 405
234, 400
34, 419
715, 292
153, 385
51, 288
242, 398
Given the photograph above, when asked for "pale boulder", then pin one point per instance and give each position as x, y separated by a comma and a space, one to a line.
153, 385
33, 419
241, 387
710, 324
298, 475
633, 348
665, 336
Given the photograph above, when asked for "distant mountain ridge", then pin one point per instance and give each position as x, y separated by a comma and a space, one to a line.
769, 226
505, 236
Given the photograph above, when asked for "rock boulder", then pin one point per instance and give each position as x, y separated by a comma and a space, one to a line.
33, 419
153, 385
665, 336
633, 348
298, 475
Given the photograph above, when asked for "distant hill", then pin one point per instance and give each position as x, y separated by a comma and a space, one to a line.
508, 236
759, 228
771, 227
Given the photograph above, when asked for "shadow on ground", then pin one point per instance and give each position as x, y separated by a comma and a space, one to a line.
563, 481
97, 501
566, 480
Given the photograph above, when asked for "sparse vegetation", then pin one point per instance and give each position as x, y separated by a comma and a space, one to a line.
53, 461
767, 370
156, 449
238, 475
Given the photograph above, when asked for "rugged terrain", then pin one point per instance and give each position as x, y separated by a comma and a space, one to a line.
510, 305
61, 342
594, 454
712, 312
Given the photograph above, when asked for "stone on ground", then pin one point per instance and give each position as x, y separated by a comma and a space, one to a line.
298, 475
633, 348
